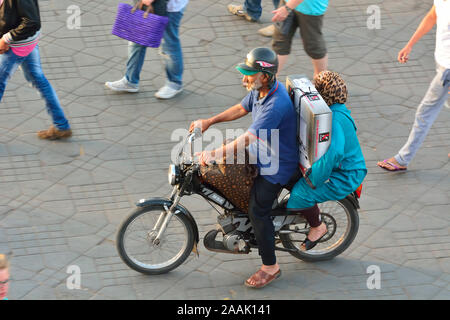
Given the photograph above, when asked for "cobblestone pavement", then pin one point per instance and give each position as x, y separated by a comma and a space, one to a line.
61, 202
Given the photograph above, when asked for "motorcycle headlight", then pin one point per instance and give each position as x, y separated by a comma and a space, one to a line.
174, 174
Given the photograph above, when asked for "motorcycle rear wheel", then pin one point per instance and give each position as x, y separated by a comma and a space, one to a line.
340, 210
135, 245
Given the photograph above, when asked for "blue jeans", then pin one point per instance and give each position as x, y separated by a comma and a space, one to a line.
171, 49
254, 9
426, 113
32, 69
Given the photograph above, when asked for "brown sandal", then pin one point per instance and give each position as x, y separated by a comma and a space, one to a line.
262, 279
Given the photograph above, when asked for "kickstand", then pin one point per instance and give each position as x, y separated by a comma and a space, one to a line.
195, 250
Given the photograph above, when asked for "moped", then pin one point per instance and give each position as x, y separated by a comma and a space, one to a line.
160, 234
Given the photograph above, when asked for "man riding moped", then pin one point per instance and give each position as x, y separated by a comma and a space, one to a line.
274, 126
160, 234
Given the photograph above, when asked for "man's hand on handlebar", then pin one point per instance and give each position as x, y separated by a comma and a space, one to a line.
206, 157
203, 124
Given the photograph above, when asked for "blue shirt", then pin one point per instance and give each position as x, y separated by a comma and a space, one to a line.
275, 126
313, 7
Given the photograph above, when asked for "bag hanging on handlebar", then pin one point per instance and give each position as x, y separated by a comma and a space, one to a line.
233, 180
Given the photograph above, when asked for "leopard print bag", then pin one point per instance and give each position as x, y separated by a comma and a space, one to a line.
233, 180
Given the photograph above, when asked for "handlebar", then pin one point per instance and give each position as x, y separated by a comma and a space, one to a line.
196, 133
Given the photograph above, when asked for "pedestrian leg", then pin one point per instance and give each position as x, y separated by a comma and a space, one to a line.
253, 8
9, 62
136, 58
32, 70
172, 50
426, 114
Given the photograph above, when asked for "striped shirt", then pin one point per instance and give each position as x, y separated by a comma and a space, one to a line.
24, 47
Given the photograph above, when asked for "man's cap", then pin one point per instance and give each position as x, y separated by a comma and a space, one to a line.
246, 70
259, 60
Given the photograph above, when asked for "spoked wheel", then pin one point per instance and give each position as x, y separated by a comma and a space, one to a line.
342, 224
136, 245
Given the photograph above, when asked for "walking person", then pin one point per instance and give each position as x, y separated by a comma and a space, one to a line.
306, 15
438, 91
251, 10
20, 26
171, 50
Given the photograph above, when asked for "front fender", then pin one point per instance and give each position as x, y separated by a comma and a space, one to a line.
164, 201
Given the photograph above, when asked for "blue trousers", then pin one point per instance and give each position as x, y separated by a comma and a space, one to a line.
172, 51
340, 185
32, 69
427, 112
254, 9
262, 197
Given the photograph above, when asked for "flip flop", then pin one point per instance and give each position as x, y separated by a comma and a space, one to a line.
309, 244
396, 168
262, 279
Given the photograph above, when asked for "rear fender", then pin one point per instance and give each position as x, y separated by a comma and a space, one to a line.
353, 200
179, 210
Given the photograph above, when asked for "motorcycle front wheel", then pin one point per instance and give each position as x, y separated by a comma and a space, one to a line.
342, 222
137, 249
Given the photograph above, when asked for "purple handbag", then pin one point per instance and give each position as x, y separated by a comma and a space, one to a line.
137, 26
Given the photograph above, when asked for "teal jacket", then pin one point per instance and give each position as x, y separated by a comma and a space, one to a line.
344, 153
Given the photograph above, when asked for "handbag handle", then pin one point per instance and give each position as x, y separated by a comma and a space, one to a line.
140, 5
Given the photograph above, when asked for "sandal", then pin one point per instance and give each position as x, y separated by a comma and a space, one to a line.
396, 168
309, 244
262, 279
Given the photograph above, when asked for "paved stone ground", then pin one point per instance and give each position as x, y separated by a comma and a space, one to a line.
61, 202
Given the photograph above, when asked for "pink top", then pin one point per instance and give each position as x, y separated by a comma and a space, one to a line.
22, 49
25, 50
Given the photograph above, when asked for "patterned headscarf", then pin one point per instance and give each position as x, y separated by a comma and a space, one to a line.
331, 87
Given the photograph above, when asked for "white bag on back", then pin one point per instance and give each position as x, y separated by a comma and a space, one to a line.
313, 120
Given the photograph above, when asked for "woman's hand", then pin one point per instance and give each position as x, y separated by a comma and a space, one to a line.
3, 46
147, 2
403, 55
280, 14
